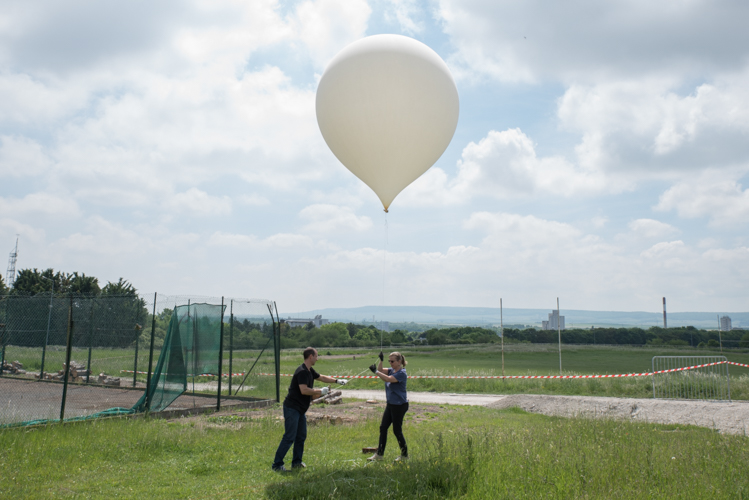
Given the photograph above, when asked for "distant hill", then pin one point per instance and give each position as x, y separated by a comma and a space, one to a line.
490, 316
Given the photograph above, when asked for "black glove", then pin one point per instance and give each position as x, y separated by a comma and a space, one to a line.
382, 356
373, 368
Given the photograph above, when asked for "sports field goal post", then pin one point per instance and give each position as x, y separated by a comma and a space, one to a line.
691, 377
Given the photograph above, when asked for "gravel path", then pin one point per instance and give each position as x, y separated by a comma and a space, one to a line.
725, 417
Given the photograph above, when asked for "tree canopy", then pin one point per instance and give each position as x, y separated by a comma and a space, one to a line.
31, 282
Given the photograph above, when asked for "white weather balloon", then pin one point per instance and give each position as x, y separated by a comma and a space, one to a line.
387, 107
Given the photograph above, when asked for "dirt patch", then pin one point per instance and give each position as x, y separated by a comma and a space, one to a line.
725, 417
349, 412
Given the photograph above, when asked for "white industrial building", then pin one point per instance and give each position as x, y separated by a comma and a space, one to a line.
318, 321
725, 324
556, 322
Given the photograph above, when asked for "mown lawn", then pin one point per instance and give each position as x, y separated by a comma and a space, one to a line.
462, 452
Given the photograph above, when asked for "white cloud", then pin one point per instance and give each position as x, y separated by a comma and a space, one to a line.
668, 254
222, 239
647, 127
326, 26
198, 202
22, 157
723, 201
103, 237
10, 229
407, 14
574, 41
599, 221
248, 241
650, 228
505, 165
35, 204
325, 218
254, 200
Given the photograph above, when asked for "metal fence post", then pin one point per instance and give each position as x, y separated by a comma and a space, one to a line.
46, 339
220, 358
2, 342
150, 355
278, 353
138, 329
231, 342
90, 339
67, 358
728, 382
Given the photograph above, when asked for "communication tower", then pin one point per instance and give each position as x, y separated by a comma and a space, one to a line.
10, 275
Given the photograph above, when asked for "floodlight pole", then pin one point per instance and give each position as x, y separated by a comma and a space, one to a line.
559, 329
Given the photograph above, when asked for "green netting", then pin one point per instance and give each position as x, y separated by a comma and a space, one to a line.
191, 348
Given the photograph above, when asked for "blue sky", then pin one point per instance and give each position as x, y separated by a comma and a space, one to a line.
601, 154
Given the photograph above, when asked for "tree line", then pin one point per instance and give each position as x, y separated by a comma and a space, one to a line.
30, 282
35, 310
248, 335
680, 336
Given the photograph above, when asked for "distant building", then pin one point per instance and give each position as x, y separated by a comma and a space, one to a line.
555, 322
725, 324
317, 321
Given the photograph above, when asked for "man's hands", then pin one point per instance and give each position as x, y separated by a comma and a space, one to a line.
373, 368
381, 356
341, 381
324, 390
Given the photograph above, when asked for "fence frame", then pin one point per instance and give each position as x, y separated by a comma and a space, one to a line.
5, 335
666, 368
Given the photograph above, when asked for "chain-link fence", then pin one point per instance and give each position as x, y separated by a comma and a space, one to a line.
72, 357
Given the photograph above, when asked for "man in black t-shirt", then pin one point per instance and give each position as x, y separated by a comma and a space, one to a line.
296, 405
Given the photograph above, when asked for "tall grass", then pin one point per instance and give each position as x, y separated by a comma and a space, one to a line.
459, 453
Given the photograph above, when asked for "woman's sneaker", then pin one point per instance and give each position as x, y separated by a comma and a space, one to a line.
375, 457
401, 458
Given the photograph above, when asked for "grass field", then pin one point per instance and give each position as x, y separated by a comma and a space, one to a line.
520, 359
460, 452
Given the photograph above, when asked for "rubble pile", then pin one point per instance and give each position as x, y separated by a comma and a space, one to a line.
77, 372
105, 379
13, 368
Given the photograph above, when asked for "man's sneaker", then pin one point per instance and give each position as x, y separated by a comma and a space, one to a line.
300, 465
401, 458
375, 457
280, 469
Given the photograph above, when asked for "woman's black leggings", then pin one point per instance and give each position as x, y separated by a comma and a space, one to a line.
393, 415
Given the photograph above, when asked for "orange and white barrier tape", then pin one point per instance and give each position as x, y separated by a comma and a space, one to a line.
619, 375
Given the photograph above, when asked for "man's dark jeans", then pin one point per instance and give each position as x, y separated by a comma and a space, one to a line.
295, 423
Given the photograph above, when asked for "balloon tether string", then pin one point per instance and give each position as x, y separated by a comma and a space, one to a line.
384, 268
